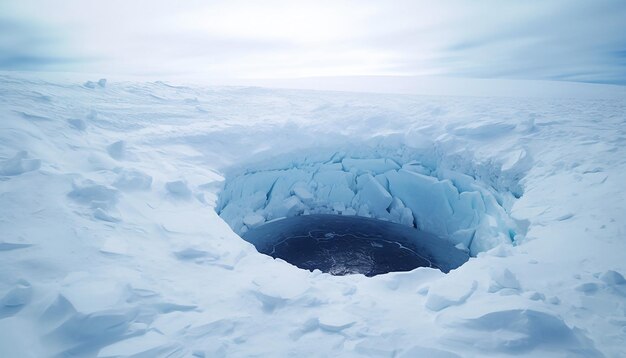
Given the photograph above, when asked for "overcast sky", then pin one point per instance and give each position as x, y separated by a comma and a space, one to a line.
571, 40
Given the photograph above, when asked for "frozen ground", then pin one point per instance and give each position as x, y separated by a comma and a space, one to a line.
111, 244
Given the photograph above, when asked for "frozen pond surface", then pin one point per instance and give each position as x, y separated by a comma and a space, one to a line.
342, 245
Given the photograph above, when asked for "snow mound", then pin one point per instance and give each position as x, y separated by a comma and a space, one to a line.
525, 331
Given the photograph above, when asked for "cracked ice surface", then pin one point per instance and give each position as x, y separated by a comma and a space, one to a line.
110, 244
455, 206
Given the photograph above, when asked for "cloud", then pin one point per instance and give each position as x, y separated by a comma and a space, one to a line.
28, 47
560, 40
578, 43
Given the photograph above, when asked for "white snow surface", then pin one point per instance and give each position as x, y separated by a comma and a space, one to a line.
111, 244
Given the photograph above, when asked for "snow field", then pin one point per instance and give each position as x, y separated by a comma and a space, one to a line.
110, 243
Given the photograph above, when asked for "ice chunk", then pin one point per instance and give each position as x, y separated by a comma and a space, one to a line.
372, 166
382, 179
341, 194
130, 179
256, 200
288, 207
406, 218
500, 251
364, 210
334, 178
324, 182
463, 237
517, 160
503, 279
374, 195
416, 168
396, 205
339, 207
301, 190
244, 187
442, 294
461, 247
487, 237
253, 220
281, 187
427, 197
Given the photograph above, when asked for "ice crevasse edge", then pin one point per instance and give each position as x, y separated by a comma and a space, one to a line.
384, 183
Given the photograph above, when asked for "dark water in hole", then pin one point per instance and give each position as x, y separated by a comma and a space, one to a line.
342, 245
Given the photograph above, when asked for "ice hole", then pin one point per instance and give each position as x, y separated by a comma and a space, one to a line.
462, 204
342, 245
